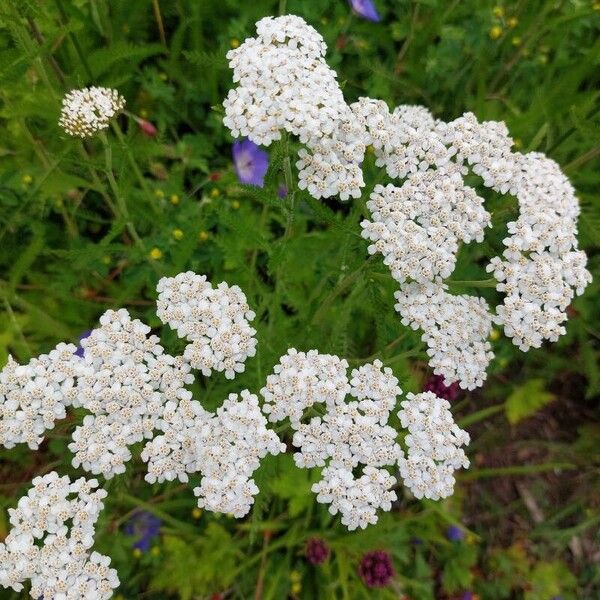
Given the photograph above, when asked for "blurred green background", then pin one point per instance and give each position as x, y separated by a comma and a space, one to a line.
526, 512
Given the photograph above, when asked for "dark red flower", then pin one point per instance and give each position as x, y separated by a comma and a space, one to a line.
376, 569
436, 385
317, 551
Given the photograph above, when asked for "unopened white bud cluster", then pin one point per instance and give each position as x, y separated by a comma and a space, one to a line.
214, 320
89, 110
434, 446
225, 447
49, 544
125, 384
349, 435
455, 328
283, 83
35, 395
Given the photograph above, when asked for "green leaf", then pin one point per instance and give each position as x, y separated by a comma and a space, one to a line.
526, 400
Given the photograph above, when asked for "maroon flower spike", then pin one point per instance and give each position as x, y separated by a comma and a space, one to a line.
147, 128
317, 551
376, 569
436, 385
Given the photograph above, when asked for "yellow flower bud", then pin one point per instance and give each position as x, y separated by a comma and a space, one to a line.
26, 179
159, 193
499, 11
156, 254
235, 43
516, 41
137, 552
496, 32
177, 234
203, 236
196, 512
174, 199
215, 192
235, 204
512, 22
295, 576
494, 335
155, 551
296, 588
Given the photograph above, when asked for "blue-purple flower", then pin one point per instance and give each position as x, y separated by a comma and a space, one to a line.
365, 9
251, 163
79, 351
145, 526
455, 534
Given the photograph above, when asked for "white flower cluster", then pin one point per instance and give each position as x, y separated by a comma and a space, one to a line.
405, 141
455, 328
124, 386
86, 111
214, 320
434, 446
225, 448
301, 379
350, 433
283, 83
35, 395
52, 532
417, 227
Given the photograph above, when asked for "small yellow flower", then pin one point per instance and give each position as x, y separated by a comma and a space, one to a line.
137, 552
196, 513
518, 144
177, 234
234, 43
156, 254
494, 335
296, 588
144, 113
512, 22
215, 192
26, 179
496, 32
174, 199
155, 551
516, 41
370, 149
159, 194
235, 204
295, 576
203, 236
499, 11
106, 259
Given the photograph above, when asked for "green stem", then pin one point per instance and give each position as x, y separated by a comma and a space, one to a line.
121, 205
135, 167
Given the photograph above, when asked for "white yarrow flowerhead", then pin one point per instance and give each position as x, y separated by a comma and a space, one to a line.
215, 320
434, 446
89, 110
283, 83
49, 543
350, 434
35, 395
